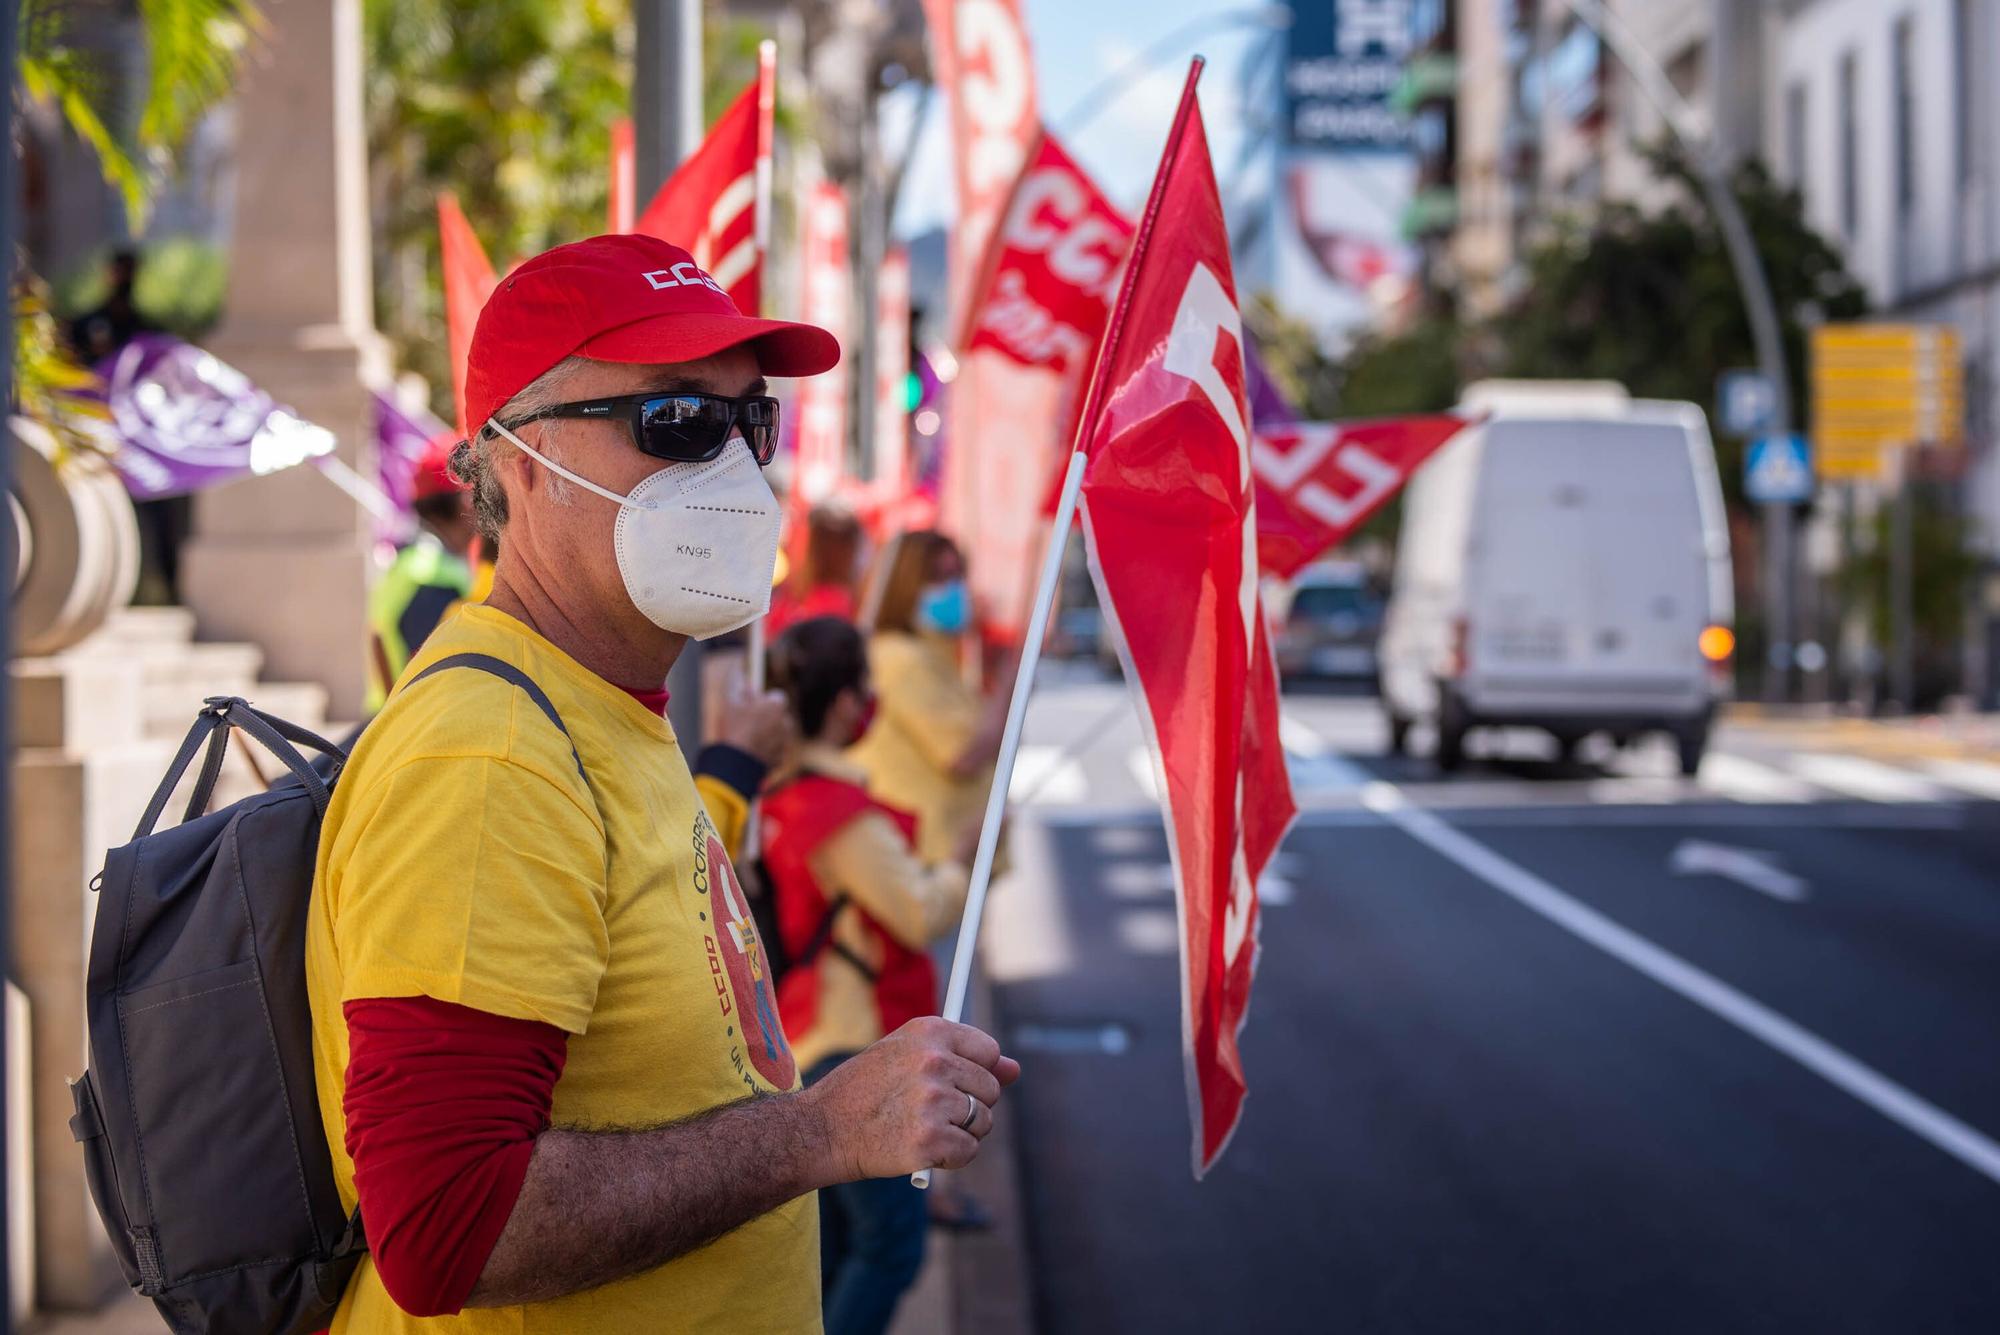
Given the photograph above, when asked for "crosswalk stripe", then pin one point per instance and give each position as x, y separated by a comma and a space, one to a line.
1971, 776
1043, 775
1743, 780
1866, 779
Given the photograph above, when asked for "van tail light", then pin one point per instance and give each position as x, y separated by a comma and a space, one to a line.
1458, 658
1718, 648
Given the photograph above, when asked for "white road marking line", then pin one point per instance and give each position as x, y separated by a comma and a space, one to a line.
1043, 774
1970, 776
1866, 779
1747, 781
1751, 867
1885, 1096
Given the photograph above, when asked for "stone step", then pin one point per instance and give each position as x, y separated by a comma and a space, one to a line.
173, 684
129, 626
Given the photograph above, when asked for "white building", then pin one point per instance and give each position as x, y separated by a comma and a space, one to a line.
1882, 114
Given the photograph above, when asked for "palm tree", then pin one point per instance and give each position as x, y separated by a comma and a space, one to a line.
193, 50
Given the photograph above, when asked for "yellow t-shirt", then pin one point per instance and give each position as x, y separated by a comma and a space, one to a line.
465, 859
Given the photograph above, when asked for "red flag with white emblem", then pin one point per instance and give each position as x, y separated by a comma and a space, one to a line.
468, 281
1319, 481
1170, 518
714, 204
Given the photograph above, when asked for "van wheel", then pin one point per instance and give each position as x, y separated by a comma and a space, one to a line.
1451, 729
1691, 743
1399, 735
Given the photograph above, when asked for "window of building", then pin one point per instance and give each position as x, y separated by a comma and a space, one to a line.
1795, 135
1850, 147
1903, 107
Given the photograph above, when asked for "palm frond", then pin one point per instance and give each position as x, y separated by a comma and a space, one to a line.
194, 48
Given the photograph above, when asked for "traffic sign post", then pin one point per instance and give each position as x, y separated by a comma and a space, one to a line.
1777, 470
1745, 402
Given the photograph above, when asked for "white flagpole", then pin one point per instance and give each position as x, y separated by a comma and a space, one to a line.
1010, 744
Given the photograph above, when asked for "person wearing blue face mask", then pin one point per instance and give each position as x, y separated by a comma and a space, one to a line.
932, 747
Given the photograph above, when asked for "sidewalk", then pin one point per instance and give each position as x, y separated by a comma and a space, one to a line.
1935, 736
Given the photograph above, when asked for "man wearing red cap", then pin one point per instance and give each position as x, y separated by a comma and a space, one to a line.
548, 1053
429, 576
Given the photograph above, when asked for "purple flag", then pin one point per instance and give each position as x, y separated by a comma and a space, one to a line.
183, 420
1267, 401
400, 439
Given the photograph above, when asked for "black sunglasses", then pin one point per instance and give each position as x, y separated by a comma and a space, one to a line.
686, 428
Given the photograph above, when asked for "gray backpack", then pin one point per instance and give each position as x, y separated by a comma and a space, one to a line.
199, 1116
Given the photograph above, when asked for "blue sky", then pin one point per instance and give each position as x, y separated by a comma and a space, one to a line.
1076, 44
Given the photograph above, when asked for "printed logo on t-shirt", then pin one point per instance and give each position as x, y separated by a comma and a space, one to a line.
744, 990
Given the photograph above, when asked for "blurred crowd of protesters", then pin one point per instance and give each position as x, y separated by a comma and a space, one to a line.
871, 757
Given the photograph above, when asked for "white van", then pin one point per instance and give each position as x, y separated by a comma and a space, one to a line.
1564, 564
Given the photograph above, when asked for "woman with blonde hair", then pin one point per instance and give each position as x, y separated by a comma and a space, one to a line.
932, 747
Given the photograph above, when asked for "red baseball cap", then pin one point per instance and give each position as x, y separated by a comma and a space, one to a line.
619, 298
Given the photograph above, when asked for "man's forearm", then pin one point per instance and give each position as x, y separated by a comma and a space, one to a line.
597, 1206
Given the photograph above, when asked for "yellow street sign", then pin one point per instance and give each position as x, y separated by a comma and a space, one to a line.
1882, 387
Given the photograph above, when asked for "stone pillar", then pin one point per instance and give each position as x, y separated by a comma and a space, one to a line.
283, 561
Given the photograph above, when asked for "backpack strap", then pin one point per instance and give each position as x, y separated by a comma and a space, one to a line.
822, 939
507, 672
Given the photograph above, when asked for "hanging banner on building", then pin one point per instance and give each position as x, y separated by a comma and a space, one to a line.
891, 448
979, 51
183, 420
711, 204
1344, 60
826, 301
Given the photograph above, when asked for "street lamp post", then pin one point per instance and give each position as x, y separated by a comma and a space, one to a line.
666, 127
1712, 171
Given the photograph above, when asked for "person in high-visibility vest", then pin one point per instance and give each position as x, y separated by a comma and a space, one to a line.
429, 577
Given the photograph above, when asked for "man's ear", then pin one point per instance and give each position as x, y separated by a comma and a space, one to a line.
517, 470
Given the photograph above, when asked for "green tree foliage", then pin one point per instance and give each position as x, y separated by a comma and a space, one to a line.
506, 103
193, 48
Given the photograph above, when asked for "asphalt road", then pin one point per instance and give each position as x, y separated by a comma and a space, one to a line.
1518, 1060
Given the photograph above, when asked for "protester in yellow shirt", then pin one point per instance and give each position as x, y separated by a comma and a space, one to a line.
546, 1041
932, 749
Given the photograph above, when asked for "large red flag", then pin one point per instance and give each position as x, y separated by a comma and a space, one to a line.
1170, 520
468, 281
979, 51
712, 205
1319, 481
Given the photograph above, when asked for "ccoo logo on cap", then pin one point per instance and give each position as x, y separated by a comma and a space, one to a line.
620, 298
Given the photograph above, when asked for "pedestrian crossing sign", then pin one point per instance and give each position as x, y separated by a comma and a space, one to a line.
1778, 471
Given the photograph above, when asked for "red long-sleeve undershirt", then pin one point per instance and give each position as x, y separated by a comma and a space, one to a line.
443, 1105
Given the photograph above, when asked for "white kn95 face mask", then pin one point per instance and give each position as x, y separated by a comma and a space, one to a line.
696, 543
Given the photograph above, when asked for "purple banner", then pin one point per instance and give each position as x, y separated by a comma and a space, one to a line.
400, 441
184, 420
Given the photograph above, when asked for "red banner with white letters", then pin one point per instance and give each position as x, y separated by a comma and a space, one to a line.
1052, 268
714, 205
979, 52
1319, 481
1170, 519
